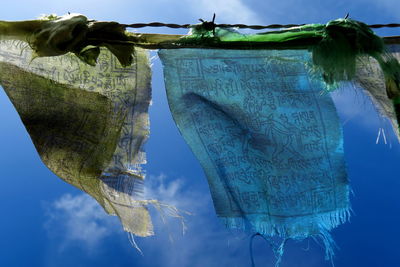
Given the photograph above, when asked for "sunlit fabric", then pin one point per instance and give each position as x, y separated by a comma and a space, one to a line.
266, 135
371, 78
88, 123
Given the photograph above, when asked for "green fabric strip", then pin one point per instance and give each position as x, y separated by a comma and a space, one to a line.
335, 46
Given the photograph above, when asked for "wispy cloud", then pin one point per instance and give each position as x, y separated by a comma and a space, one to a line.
79, 220
207, 242
161, 188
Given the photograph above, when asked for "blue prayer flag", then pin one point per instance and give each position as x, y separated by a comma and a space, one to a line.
267, 137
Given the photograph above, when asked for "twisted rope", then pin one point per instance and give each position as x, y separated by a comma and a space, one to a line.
240, 26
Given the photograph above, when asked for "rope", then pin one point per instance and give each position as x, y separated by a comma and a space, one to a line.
240, 26
390, 25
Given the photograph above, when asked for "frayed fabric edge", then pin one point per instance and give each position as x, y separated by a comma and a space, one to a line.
315, 226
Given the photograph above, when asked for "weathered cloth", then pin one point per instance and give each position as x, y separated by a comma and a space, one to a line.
88, 123
267, 137
371, 78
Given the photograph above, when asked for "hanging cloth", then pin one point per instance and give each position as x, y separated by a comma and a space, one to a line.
371, 79
88, 123
266, 135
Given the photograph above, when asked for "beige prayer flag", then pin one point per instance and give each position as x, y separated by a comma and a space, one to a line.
88, 123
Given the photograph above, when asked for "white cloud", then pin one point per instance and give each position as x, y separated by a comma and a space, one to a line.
79, 220
157, 187
168, 190
207, 242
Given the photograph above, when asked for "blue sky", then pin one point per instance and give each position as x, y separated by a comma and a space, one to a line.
46, 222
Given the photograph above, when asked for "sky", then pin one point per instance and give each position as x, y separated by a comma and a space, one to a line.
46, 222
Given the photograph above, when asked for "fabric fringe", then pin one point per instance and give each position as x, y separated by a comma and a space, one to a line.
131, 238
166, 210
320, 226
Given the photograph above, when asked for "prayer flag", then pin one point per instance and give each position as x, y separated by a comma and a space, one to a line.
267, 136
88, 123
